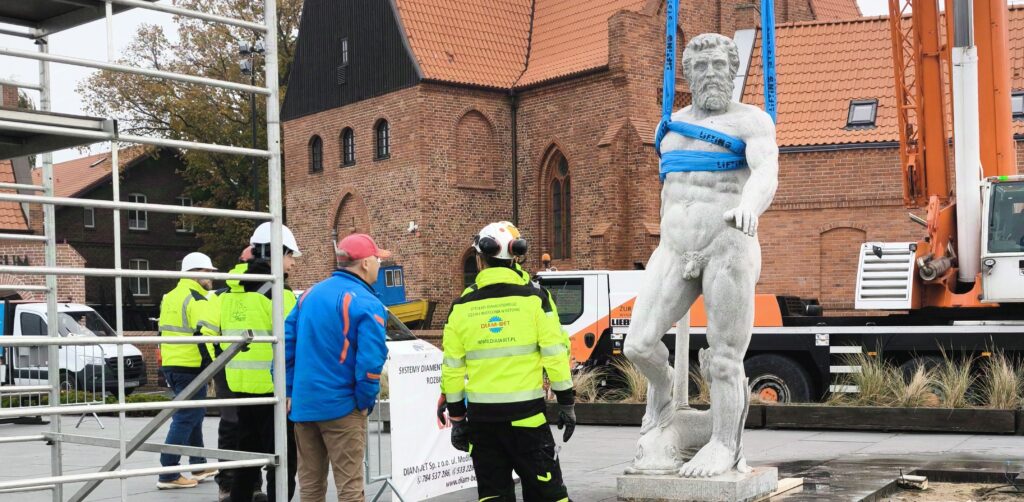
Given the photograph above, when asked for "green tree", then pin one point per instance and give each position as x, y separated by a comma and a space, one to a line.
174, 110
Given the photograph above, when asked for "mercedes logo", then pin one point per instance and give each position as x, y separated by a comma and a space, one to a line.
129, 363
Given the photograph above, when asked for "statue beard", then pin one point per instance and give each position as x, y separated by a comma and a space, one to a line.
712, 94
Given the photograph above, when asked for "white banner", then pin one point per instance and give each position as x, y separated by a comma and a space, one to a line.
423, 462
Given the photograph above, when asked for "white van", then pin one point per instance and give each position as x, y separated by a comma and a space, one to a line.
88, 368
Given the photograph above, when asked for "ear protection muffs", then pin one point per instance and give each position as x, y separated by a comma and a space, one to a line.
489, 246
262, 251
518, 247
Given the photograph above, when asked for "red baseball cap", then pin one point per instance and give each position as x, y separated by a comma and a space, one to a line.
359, 246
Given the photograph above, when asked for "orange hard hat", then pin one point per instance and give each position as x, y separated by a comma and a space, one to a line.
545, 257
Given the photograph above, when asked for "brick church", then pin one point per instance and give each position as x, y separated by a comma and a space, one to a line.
449, 115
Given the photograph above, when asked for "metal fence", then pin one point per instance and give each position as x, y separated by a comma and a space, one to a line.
45, 375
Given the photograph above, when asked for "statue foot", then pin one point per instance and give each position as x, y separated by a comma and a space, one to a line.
713, 459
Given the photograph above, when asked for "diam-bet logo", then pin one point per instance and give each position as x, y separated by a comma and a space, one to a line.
495, 324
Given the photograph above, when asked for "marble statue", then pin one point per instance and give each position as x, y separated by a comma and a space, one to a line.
709, 246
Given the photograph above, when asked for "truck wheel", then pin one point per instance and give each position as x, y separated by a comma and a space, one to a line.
779, 379
927, 362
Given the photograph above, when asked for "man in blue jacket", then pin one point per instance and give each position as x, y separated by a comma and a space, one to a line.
335, 351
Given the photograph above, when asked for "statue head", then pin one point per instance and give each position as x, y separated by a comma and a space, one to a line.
710, 63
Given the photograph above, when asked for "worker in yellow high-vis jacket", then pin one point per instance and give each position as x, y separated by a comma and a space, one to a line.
501, 337
244, 307
183, 312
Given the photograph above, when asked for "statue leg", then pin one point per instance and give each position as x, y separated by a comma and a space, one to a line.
663, 299
729, 281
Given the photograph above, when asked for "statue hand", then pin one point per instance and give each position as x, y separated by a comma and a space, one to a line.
745, 220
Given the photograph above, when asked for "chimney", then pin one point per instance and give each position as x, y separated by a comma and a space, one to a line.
10, 97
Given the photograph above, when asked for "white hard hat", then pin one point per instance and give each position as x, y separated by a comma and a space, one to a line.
262, 236
500, 240
193, 261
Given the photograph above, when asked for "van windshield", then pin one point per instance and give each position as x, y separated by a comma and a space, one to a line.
83, 323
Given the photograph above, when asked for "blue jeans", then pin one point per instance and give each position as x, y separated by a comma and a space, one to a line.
186, 424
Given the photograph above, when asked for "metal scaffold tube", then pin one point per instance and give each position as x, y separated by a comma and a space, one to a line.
100, 65
128, 138
137, 340
178, 11
276, 246
86, 130
50, 260
132, 206
111, 272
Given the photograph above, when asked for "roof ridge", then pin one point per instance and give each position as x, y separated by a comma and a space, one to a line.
827, 22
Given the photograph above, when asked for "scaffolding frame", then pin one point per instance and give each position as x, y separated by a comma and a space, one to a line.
46, 123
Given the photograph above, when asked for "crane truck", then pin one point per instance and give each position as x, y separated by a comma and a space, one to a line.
959, 289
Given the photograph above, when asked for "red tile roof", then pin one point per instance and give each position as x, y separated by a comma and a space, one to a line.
12, 218
75, 177
828, 10
570, 36
486, 42
822, 66
479, 42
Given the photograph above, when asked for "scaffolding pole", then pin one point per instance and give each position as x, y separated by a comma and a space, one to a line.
104, 130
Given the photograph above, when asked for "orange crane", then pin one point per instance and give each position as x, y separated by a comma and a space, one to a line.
968, 257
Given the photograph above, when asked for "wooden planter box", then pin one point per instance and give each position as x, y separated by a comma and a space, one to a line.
868, 418
976, 421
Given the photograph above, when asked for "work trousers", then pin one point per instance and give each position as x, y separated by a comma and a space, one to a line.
498, 448
227, 431
256, 434
186, 424
340, 443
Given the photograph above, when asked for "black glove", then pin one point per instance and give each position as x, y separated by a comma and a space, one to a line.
567, 419
442, 405
460, 434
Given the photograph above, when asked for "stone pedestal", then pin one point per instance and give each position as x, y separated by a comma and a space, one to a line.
728, 487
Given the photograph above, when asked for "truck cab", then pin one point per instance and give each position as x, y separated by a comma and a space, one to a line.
88, 368
1002, 253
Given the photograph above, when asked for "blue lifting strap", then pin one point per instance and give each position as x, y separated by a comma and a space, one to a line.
771, 100
688, 161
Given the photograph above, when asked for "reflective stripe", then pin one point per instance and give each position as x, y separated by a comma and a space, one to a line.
184, 309
451, 362
505, 397
265, 288
176, 329
562, 385
545, 478
534, 421
518, 350
250, 365
553, 350
244, 332
210, 326
454, 397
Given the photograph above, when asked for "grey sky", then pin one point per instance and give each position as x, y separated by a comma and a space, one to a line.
89, 42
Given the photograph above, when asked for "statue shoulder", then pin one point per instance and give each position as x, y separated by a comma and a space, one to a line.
753, 121
683, 114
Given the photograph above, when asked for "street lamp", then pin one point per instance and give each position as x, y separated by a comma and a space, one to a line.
248, 67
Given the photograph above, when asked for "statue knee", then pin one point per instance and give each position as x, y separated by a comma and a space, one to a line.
724, 367
632, 351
